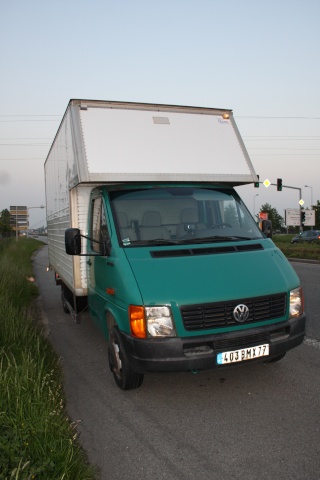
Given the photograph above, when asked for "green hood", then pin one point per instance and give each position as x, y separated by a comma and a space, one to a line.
181, 276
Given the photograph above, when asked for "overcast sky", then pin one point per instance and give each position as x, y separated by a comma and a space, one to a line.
258, 58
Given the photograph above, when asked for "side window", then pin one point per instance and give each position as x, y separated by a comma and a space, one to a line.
99, 226
104, 233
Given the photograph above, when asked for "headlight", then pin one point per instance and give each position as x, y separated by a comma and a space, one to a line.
296, 302
159, 322
151, 322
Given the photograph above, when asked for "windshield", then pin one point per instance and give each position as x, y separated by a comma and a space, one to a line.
181, 215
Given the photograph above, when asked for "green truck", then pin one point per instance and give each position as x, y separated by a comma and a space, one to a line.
146, 229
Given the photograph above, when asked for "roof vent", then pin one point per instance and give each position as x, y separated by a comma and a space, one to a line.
161, 120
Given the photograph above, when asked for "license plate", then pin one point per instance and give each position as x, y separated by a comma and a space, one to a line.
243, 354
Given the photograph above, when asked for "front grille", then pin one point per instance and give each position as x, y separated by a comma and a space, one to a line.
217, 315
236, 342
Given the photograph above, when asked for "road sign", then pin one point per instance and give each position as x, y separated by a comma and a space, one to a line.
19, 217
293, 217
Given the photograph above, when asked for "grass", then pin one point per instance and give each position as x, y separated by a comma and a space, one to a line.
297, 250
37, 438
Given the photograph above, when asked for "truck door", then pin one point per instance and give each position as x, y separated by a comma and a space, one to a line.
98, 269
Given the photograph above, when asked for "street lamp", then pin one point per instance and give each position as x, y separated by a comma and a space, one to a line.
254, 204
311, 195
29, 208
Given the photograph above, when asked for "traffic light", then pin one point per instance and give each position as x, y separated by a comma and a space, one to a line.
279, 184
256, 184
303, 216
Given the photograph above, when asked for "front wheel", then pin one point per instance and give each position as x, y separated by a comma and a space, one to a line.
125, 377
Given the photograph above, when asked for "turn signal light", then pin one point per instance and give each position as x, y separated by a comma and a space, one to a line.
137, 321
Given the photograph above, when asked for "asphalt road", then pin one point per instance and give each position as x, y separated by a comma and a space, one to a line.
254, 422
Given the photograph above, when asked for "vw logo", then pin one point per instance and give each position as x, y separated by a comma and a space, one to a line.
241, 313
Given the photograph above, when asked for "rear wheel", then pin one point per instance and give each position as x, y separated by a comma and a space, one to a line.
125, 377
63, 300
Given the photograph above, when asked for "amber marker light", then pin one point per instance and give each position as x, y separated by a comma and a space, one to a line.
226, 116
137, 321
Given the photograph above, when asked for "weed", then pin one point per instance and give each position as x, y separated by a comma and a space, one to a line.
37, 439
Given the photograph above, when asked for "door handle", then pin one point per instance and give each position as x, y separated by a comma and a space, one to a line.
89, 262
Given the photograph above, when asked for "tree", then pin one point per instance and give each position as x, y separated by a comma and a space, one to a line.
317, 214
276, 219
5, 229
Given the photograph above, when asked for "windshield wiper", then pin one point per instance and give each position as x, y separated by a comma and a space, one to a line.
155, 241
187, 240
238, 237
215, 238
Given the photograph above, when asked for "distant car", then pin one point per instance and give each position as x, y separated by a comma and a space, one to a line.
309, 236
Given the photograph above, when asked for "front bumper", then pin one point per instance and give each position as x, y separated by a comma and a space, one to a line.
200, 353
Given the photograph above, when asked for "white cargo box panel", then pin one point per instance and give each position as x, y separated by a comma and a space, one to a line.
66, 206
72, 269
116, 142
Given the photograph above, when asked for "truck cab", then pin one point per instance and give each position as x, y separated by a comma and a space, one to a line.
182, 279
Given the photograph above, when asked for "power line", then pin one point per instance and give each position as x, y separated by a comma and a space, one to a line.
16, 121
32, 115
238, 116
28, 118
247, 117
276, 118
277, 139
285, 154
281, 136
287, 148
19, 159
24, 144
26, 138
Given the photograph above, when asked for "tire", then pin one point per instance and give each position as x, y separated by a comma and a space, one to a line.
125, 377
63, 300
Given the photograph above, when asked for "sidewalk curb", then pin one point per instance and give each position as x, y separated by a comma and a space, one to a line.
303, 260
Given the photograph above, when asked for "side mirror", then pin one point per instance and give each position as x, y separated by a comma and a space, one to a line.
267, 228
73, 241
